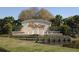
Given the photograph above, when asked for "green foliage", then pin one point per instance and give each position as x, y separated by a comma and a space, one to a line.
57, 21
9, 19
17, 25
65, 29
67, 26
7, 24
54, 28
1, 25
7, 28
73, 44
73, 23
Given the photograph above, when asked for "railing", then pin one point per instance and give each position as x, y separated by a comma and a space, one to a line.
14, 33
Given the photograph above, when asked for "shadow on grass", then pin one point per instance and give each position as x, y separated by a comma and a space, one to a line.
3, 50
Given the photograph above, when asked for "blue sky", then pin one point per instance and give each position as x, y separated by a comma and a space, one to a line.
15, 11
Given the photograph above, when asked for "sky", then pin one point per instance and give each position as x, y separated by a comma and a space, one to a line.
15, 11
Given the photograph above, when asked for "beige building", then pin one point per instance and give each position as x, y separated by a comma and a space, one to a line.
34, 26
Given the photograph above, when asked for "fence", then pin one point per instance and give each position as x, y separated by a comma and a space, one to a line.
47, 39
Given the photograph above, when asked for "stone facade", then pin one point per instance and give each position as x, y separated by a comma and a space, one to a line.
35, 26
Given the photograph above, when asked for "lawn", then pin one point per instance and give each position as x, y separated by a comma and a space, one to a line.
16, 45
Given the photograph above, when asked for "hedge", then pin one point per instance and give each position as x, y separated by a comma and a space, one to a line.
73, 44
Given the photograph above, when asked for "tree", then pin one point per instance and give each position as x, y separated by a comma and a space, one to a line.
54, 28
29, 13
7, 28
66, 30
7, 24
73, 23
56, 22
8, 19
1, 25
45, 14
17, 25
34, 13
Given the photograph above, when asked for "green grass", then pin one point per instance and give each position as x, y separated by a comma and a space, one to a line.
16, 45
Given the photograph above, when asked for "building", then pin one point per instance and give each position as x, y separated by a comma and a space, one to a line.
33, 26
40, 27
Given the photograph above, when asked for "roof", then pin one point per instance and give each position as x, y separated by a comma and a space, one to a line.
37, 20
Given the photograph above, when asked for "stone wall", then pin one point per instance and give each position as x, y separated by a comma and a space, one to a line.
35, 27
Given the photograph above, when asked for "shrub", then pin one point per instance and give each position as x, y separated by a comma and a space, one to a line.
73, 44
3, 50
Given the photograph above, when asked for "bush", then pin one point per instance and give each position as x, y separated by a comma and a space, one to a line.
3, 50
43, 39
73, 44
46, 39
